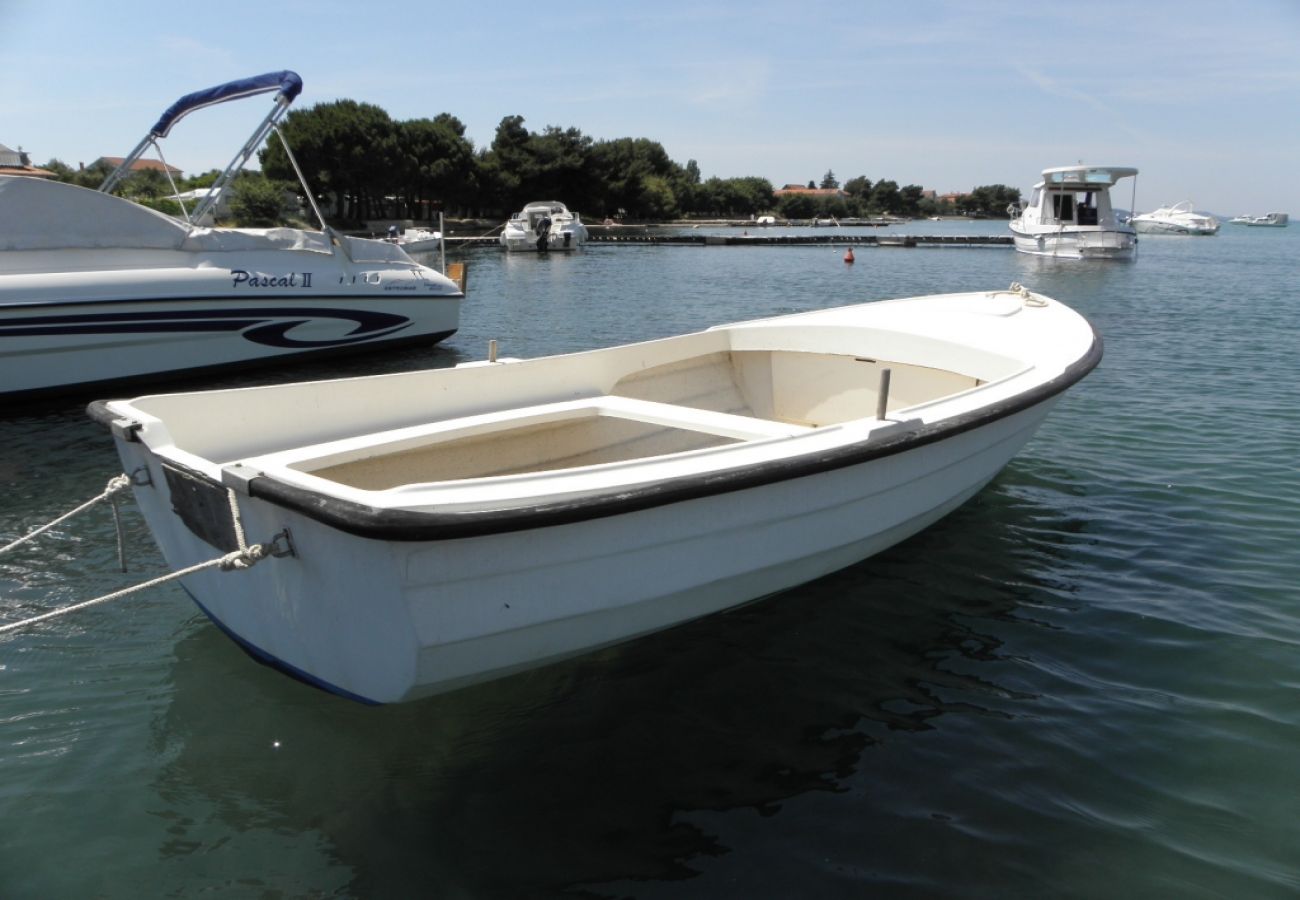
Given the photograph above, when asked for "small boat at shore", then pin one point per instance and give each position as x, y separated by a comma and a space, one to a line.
438, 528
416, 240
1268, 220
1180, 218
543, 226
1069, 215
96, 289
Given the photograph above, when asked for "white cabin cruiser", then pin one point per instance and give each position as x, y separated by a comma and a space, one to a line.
542, 226
423, 531
96, 289
1268, 220
1180, 218
1069, 215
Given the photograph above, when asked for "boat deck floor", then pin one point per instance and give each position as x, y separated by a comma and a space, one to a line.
544, 437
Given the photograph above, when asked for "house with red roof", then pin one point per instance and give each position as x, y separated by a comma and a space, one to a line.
17, 162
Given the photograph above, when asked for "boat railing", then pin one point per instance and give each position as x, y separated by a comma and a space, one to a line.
286, 84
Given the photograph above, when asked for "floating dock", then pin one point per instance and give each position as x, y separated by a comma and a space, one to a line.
786, 240
775, 240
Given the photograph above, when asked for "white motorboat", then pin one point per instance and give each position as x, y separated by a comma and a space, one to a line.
1069, 215
1268, 220
416, 240
542, 226
96, 289
444, 527
1180, 218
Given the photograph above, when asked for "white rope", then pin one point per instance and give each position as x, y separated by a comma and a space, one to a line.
236, 520
115, 484
238, 559
1028, 297
243, 558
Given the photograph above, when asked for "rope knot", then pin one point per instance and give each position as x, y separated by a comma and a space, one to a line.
244, 559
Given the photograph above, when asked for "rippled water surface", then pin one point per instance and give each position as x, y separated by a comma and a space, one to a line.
1083, 683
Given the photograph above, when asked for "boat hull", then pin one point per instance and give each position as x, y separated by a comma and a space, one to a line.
1149, 227
557, 241
1071, 244
451, 526
63, 333
390, 621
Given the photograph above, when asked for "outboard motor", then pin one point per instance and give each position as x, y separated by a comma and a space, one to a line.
543, 232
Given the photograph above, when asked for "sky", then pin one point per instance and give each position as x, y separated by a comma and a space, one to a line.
1202, 97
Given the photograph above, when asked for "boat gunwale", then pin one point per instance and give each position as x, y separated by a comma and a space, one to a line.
405, 525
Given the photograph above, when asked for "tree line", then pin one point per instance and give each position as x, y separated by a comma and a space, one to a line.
364, 165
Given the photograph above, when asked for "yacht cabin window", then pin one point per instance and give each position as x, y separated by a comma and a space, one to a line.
1063, 207
1086, 208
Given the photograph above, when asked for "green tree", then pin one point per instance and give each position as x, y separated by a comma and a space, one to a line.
257, 201
858, 187
989, 200
828, 181
796, 206
885, 198
436, 167
621, 168
910, 197
834, 207
347, 153
563, 163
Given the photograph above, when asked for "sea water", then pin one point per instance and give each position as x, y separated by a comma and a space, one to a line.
1083, 683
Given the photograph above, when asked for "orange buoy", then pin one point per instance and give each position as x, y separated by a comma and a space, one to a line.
848, 255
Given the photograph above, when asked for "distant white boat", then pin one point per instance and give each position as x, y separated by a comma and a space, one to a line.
444, 527
1180, 218
1269, 220
415, 240
1069, 215
542, 226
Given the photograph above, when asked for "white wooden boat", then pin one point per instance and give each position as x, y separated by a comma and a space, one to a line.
1180, 218
96, 289
454, 525
543, 226
1069, 215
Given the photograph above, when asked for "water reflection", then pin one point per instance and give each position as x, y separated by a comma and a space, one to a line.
579, 774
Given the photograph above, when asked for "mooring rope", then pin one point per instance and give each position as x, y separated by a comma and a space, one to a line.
238, 559
244, 558
115, 484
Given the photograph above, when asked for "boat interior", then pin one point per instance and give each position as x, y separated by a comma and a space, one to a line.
695, 393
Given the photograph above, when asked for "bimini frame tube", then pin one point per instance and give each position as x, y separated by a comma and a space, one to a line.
287, 86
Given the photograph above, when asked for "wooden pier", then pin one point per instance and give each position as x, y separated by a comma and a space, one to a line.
775, 240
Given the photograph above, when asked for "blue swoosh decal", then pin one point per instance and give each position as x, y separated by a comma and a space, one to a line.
269, 327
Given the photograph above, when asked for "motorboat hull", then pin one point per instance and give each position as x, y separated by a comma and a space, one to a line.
410, 577
1151, 227
1071, 244
128, 315
560, 240
76, 347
